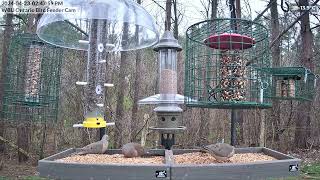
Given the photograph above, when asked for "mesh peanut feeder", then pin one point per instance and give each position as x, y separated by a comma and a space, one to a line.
32, 79
223, 64
293, 83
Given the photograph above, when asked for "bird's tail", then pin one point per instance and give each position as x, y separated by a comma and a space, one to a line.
202, 148
79, 151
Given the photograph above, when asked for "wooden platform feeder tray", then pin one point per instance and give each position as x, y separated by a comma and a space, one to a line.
247, 163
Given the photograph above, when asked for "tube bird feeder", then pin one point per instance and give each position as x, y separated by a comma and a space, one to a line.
99, 27
168, 112
223, 64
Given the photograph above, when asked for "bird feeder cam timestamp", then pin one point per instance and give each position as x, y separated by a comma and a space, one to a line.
35, 6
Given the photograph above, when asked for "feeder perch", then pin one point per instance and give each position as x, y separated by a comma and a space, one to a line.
292, 83
222, 69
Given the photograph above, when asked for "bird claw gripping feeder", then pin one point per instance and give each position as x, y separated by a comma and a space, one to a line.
223, 62
168, 112
99, 27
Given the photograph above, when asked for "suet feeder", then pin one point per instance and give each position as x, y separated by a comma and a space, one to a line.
32, 80
99, 27
292, 83
168, 112
223, 57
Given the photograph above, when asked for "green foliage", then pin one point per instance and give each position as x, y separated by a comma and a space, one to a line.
24, 178
127, 103
34, 178
312, 170
309, 171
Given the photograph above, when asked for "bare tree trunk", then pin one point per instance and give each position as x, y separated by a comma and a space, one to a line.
203, 128
120, 121
275, 53
238, 9
180, 62
303, 120
168, 15
204, 112
5, 54
262, 135
136, 95
31, 23
239, 112
23, 139
214, 9
136, 89
120, 100
176, 25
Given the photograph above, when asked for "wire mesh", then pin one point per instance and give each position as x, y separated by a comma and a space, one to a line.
32, 80
223, 65
293, 83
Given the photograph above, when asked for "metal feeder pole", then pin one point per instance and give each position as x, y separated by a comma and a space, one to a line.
233, 111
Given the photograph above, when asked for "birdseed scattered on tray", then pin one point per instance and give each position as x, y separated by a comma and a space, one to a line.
205, 158
111, 159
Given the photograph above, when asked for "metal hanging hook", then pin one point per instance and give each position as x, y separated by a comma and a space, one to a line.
230, 4
282, 6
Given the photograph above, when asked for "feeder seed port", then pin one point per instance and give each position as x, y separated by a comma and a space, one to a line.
81, 83
100, 105
83, 42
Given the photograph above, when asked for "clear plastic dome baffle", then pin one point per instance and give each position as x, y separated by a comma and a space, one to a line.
123, 24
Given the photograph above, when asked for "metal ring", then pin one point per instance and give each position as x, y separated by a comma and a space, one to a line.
264, 85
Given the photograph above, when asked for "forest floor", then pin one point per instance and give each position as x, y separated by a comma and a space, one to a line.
10, 169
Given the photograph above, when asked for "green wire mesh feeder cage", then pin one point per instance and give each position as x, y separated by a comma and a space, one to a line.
32, 80
292, 83
223, 65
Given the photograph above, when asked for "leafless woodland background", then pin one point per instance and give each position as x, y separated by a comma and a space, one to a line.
288, 126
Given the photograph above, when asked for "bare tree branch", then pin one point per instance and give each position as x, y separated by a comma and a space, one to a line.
265, 10
293, 23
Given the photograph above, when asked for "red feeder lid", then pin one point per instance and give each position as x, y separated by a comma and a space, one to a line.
229, 41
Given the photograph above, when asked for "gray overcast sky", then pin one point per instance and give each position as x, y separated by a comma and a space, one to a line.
192, 10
